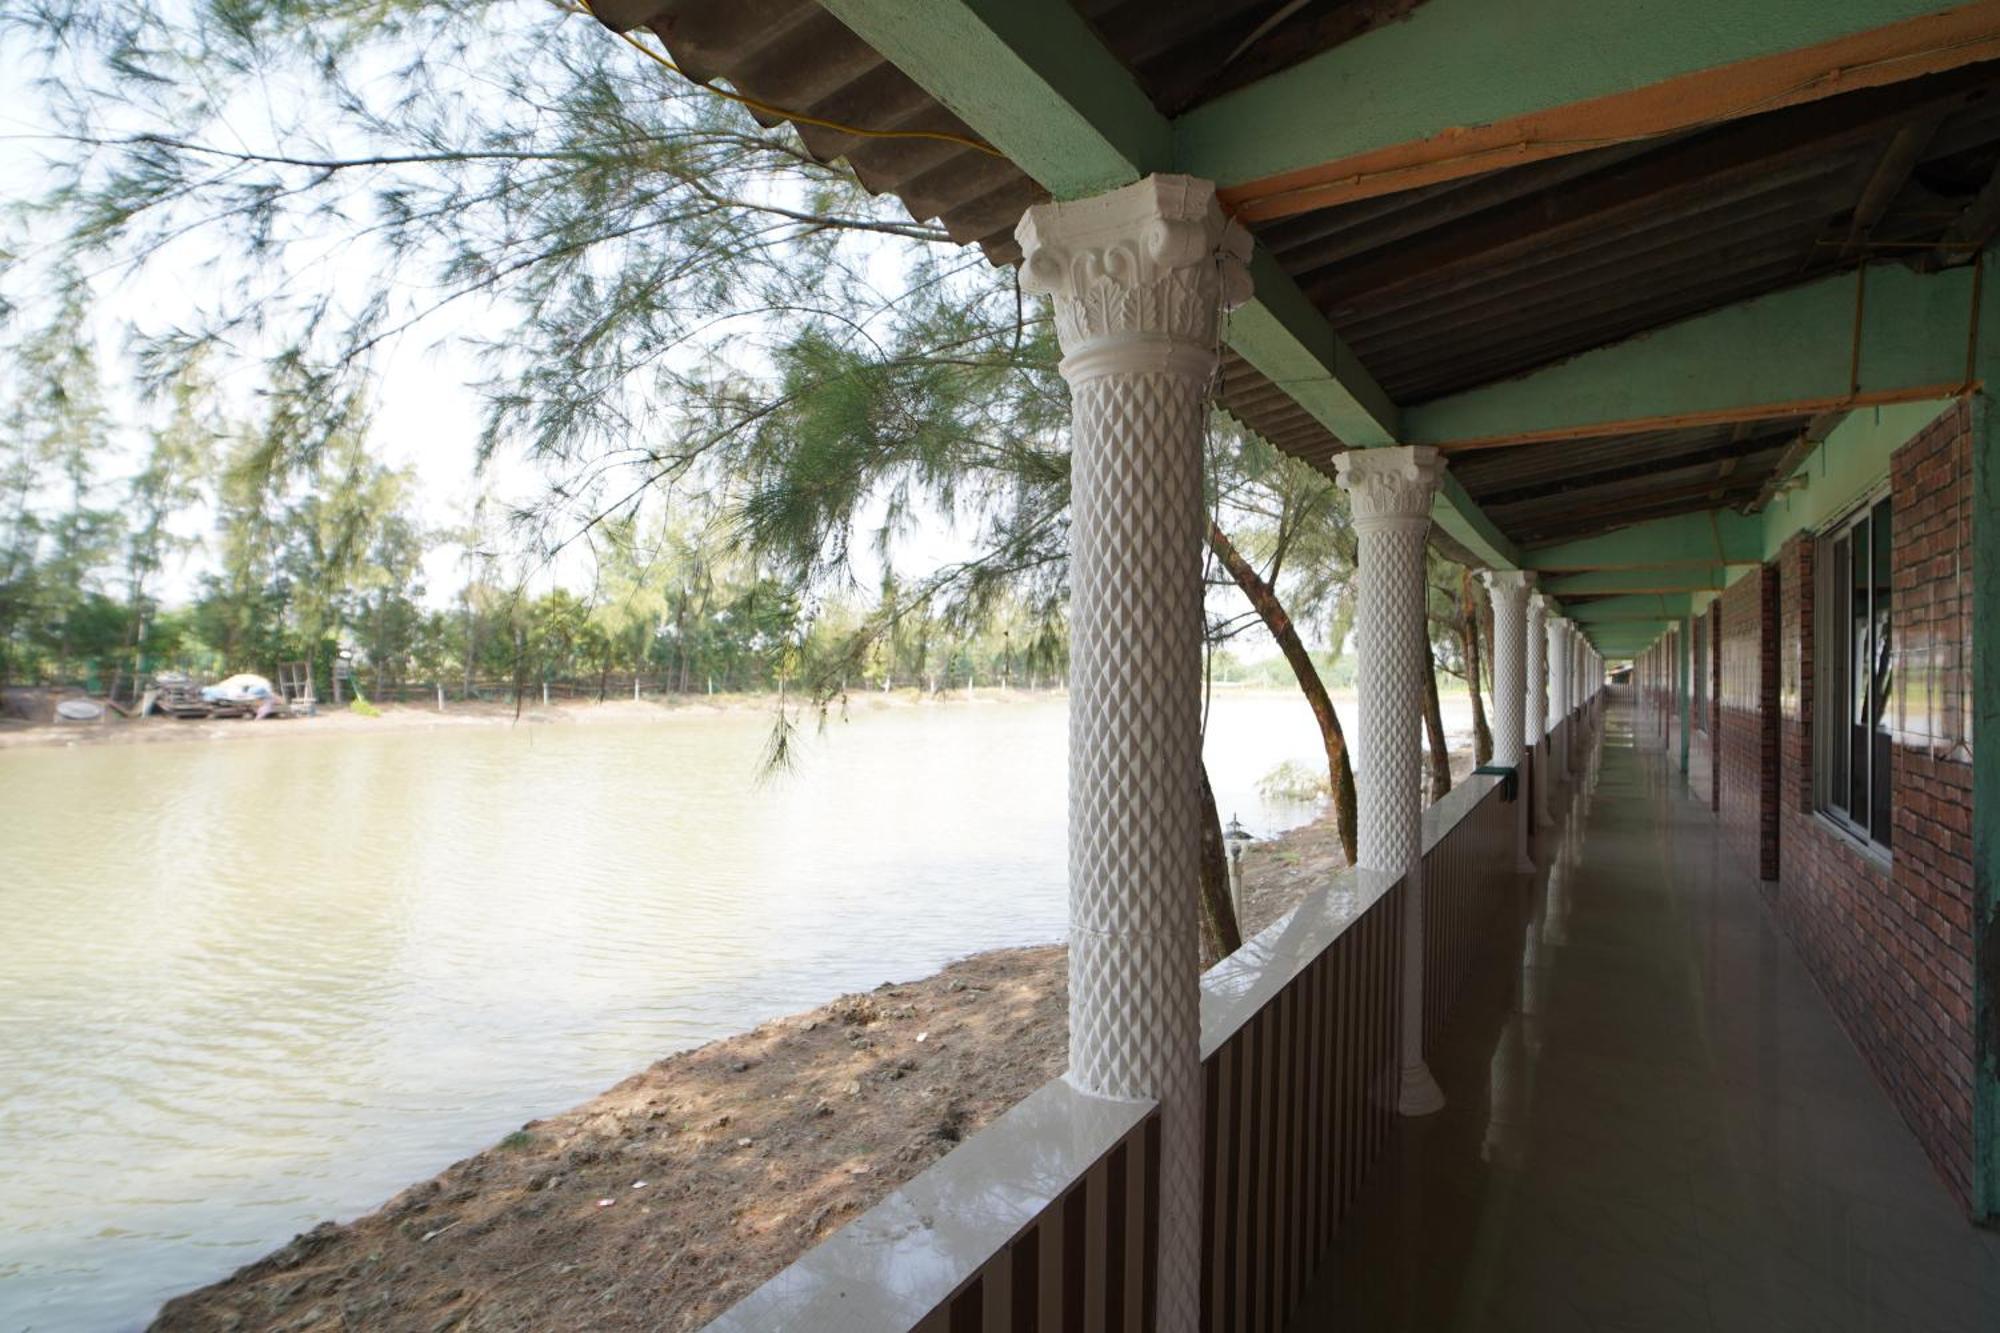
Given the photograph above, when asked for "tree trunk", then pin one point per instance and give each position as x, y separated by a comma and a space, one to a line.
1340, 768
1434, 726
471, 646
1482, 737
1221, 933
680, 644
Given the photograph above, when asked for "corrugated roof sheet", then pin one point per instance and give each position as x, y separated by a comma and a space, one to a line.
794, 54
1451, 286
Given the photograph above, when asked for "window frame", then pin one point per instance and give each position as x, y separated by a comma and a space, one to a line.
1833, 685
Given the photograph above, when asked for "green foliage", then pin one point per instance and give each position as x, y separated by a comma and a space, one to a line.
1295, 782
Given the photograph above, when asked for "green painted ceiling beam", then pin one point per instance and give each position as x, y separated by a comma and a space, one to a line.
1641, 607
1605, 582
1793, 349
1466, 63
1709, 537
1033, 80
1460, 515
1290, 342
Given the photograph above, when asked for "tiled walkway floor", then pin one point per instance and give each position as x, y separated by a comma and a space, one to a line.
1655, 1122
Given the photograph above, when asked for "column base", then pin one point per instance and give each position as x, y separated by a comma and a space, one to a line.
1419, 1093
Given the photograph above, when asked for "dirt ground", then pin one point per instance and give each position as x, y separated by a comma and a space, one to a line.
661, 1202
330, 721
666, 1199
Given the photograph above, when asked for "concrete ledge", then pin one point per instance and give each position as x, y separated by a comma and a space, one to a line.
898, 1262
1235, 989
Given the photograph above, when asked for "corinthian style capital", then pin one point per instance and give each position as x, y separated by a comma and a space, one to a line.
1509, 587
1539, 604
1140, 276
1390, 488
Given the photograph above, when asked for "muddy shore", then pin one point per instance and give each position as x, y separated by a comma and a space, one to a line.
665, 1199
330, 721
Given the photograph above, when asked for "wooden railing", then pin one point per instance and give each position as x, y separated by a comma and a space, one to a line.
1047, 1218
1299, 1057
1468, 865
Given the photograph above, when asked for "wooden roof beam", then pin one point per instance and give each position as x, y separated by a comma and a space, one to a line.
1797, 352
1031, 78
1461, 87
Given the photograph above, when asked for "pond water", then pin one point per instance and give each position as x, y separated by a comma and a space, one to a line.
246, 986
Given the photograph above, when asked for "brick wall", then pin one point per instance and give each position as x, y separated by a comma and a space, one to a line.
1891, 944
1746, 726
1701, 752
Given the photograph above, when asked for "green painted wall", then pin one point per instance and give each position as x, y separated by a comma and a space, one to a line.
1847, 465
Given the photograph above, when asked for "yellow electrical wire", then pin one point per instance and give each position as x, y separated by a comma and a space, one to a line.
941, 136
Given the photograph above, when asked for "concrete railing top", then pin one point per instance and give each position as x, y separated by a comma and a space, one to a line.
1235, 989
899, 1262
902, 1259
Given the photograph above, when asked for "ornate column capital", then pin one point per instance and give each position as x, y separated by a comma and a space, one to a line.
1390, 489
1539, 604
1140, 275
1512, 584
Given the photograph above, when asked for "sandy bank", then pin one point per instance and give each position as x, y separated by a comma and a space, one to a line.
115, 730
661, 1202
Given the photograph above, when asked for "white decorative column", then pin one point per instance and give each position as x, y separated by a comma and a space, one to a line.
1537, 724
1559, 659
1391, 491
1509, 589
1140, 277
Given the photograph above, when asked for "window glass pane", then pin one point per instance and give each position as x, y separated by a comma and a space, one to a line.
1882, 645
1834, 730
1858, 675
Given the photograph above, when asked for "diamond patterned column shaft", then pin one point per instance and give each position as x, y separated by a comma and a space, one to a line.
1538, 703
1140, 277
1391, 491
1559, 702
1509, 589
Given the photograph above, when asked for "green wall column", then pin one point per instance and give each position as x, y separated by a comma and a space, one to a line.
1684, 671
1985, 687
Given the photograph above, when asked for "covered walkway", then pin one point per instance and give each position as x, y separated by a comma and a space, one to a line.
1655, 1120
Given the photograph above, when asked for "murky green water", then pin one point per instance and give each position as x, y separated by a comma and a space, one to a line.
249, 985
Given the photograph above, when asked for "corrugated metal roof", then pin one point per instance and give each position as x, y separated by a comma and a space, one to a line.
1451, 286
792, 53
1446, 288
1555, 492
